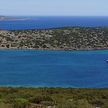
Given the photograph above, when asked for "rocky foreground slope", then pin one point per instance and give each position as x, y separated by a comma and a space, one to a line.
56, 39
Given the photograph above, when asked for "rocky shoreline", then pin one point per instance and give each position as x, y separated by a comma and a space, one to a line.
75, 38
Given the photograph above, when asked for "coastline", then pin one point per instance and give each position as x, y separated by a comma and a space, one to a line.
31, 49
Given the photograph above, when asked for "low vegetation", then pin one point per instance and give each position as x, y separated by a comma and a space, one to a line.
53, 98
75, 38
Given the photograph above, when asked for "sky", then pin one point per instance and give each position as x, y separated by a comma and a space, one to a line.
54, 7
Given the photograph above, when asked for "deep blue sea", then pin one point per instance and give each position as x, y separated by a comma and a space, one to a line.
54, 68
53, 22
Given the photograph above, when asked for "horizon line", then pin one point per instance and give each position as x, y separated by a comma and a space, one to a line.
59, 15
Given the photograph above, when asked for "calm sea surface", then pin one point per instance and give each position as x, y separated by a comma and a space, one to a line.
53, 68
53, 22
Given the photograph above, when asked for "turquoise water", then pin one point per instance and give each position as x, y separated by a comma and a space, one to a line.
54, 68
46, 22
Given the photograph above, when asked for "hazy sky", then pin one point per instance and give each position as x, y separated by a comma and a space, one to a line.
54, 7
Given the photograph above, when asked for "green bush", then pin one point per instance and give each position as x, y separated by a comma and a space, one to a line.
40, 99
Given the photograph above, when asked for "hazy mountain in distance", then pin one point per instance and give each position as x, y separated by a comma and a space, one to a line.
3, 18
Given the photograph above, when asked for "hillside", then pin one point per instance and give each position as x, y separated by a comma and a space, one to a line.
56, 39
53, 98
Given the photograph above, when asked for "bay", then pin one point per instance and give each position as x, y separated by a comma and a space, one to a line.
34, 68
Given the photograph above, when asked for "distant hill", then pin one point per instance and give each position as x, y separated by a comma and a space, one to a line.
2, 18
6, 18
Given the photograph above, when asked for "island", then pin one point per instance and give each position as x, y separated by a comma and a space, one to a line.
75, 38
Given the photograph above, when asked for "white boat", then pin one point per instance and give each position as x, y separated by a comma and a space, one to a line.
107, 61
